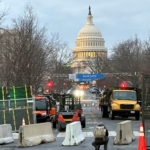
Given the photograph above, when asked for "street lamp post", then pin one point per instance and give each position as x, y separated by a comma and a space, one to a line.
117, 81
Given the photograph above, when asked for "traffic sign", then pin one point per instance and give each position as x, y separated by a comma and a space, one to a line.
86, 77
90, 76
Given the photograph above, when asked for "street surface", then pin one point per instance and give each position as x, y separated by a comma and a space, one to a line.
93, 117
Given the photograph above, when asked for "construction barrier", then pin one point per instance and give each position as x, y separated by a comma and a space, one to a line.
30, 135
6, 134
9, 114
74, 135
124, 133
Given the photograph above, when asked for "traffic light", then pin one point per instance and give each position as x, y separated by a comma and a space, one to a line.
47, 91
64, 83
104, 86
50, 84
123, 85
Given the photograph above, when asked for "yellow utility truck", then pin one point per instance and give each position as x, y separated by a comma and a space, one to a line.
120, 102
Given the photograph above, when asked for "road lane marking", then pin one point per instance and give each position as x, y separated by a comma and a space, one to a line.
136, 133
86, 134
91, 122
62, 134
112, 133
15, 135
94, 117
90, 134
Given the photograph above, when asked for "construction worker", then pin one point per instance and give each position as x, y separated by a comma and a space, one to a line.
99, 141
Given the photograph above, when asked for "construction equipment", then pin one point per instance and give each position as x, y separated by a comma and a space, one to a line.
44, 109
69, 110
120, 102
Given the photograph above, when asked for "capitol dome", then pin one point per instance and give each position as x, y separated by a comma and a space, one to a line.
89, 43
89, 31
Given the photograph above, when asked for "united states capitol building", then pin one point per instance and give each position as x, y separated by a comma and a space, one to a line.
89, 45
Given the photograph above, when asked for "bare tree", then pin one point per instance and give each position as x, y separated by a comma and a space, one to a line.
146, 57
97, 64
59, 59
25, 51
3, 14
127, 58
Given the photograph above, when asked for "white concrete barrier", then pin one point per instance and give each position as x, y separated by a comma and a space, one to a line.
125, 133
35, 134
74, 135
6, 134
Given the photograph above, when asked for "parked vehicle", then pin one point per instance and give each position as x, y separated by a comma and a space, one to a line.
120, 102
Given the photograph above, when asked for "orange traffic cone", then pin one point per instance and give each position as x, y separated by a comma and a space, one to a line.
142, 145
23, 122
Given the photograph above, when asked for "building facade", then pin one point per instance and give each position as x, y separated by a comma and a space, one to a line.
89, 44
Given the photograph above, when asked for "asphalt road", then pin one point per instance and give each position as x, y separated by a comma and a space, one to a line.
93, 117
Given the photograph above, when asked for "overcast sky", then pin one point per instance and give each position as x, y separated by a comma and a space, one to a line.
117, 19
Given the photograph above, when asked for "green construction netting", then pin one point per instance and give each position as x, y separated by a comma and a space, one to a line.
19, 92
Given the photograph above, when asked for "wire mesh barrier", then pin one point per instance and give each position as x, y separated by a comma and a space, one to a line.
12, 112
146, 107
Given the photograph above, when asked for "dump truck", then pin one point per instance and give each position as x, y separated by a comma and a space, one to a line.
120, 102
68, 110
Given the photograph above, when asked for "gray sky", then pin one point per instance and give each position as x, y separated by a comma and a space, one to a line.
117, 19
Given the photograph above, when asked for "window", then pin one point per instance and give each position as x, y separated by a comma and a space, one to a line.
125, 96
86, 54
93, 54
40, 104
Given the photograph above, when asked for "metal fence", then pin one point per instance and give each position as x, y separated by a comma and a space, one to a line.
12, 112
146, 107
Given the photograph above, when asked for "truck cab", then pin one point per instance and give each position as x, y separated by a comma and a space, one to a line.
43, 109
124, 103
120, 102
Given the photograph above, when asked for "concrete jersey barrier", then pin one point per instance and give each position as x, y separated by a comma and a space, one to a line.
6, 134
35, 134
124, 133
74, 135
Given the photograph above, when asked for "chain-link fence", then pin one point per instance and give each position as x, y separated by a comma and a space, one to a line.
13, 111
146, 108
